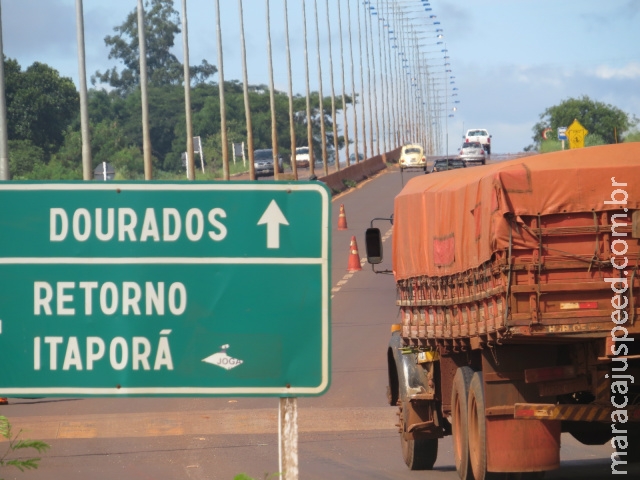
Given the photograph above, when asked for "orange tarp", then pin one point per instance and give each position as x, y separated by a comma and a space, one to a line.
449, 222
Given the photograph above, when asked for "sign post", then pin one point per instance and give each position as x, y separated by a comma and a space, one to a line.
197, 148
172, 289
562, 135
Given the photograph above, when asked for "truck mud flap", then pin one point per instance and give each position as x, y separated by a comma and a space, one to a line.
418, 411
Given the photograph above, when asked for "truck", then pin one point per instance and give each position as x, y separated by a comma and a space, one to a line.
518, 289
479, 135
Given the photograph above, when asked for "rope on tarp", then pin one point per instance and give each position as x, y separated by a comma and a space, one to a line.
508, 293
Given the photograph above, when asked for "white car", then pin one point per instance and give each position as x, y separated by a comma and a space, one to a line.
479, 135
302, 157
412, 156
472, 152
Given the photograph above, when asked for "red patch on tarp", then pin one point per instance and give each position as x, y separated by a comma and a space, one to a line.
444, 250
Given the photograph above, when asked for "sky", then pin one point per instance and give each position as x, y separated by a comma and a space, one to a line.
511, 59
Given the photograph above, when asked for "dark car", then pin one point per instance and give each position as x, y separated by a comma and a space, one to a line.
447, 164
263, 162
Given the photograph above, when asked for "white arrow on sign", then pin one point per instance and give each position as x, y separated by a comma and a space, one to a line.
273, 218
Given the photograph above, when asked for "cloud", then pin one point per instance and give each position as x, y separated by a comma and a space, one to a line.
629, 71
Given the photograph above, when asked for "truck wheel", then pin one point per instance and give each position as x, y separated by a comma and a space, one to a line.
477, 430
459, 433
417, 454
592, 438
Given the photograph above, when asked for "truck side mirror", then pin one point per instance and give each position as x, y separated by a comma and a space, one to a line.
373, 245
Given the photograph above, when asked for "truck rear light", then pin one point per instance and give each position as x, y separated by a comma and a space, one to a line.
579, 306
545, 374
532, 411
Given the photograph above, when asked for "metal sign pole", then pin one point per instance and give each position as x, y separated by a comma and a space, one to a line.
288, 438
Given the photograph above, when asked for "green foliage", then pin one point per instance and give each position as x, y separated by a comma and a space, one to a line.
633, 136
24, 156
605, 123
17, 445
593, 140
244, 476
547, 146
162, 24
40, 105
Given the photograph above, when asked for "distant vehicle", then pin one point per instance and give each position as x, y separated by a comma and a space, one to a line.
472, 152
444, 164
479, 135
412, 156
263, 162
302, 157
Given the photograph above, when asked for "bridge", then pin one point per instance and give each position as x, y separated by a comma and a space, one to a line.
384, 64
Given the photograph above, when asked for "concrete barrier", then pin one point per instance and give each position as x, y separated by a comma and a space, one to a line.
359, 171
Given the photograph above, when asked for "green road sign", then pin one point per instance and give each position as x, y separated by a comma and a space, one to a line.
156, 288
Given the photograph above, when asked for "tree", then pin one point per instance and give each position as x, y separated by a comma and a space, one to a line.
40, 105
607, 122
163, 68
24, 156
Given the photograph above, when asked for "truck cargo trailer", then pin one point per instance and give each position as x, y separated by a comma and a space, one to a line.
518, 287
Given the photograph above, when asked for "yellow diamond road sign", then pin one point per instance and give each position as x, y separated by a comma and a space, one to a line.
576, 133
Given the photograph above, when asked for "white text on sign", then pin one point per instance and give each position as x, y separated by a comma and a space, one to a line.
168, 226
122, 353
125, 298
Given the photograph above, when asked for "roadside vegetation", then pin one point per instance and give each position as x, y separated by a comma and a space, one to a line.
606, 124
44, 119
17, 446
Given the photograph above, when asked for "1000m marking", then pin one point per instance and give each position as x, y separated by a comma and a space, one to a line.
135, 353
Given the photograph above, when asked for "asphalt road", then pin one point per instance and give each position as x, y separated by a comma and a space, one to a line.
348, 433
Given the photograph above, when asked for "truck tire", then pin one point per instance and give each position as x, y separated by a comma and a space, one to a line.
459, 425
477, 430
419, 454
593, 434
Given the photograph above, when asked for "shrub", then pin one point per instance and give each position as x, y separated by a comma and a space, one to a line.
15, 445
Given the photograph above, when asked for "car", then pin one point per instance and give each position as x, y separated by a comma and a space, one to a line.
443, 164
479, 135
263, 162
412, 156
472, 152
302, 157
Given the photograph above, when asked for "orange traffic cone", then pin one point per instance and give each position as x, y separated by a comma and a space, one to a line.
354, 257
342, 219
